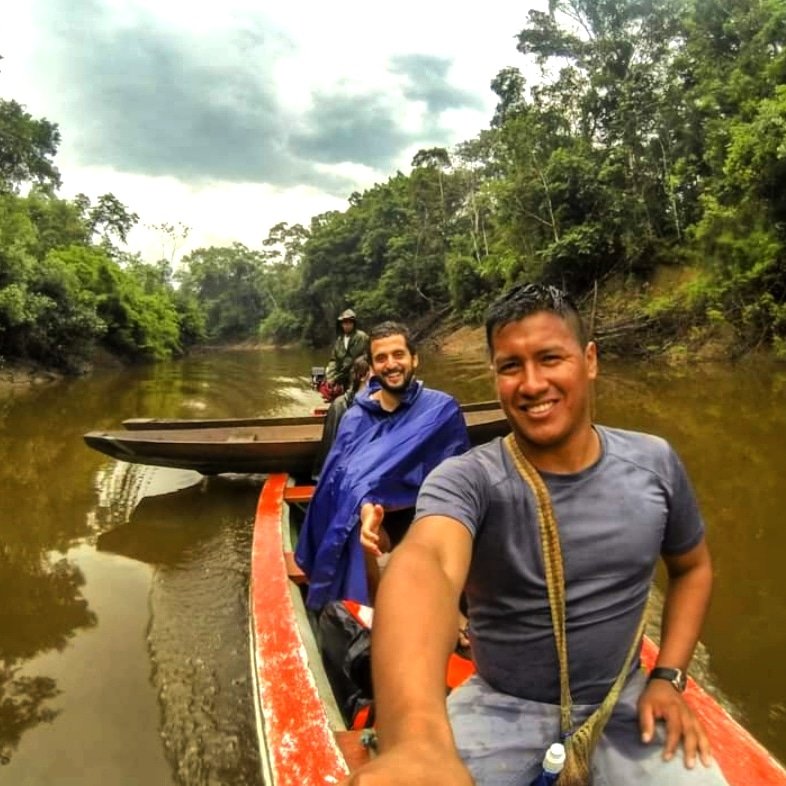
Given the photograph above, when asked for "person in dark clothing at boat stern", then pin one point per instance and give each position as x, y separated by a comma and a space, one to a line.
361, 371
553, 533
351, 343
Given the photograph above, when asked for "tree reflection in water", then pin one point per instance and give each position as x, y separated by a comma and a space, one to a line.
49, 610
22, 706
198, 541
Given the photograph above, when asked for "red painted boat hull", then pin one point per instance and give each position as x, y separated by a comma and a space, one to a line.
299, 746
740, 756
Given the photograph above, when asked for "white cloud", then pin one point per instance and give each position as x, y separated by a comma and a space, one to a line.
230, 117
215, 213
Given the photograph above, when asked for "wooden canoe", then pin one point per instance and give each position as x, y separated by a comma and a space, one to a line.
303, 739
279, 445
167, 424
156, 424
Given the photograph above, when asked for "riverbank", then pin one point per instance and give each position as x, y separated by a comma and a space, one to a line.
463, 340
20, 375
627, 319
450, 339
623, 317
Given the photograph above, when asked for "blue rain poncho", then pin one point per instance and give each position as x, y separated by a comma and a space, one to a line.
380, 457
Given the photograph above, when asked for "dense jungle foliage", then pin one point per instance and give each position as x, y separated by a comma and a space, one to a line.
654, 137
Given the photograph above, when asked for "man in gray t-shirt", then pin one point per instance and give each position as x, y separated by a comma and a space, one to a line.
621, 500
615, 518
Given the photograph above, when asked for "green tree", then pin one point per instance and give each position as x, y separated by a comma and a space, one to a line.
228, 283
280, 280
27, 147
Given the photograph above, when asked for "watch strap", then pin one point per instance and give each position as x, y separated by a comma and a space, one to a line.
675, 676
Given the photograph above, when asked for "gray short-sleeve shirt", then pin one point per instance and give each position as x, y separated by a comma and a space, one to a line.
615, 518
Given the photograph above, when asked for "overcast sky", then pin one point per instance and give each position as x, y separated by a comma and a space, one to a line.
231, 116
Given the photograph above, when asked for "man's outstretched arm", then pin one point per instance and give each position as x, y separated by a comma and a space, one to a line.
414, 632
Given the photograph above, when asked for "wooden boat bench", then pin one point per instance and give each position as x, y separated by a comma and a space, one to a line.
296, 495
296, 575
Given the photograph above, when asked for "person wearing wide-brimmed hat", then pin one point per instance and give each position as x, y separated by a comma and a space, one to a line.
350, 344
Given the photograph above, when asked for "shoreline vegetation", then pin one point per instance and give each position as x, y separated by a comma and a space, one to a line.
640, 170
617, 319
623, 336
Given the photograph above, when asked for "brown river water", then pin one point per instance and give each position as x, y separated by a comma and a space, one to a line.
123, 614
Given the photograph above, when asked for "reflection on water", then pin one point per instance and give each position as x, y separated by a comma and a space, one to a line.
465, 376
199, 541
123, 588
25, 704
41, 602
242, 383
122, 488
729, 426
90, 545
198, 639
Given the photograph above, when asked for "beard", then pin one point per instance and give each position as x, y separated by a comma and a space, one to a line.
400, 387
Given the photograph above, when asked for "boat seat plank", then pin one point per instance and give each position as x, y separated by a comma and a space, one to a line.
352, 749
298, 493
294, 572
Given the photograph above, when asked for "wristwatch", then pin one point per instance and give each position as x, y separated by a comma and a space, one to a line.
676, 677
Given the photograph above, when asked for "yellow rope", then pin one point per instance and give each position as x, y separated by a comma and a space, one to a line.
580, 744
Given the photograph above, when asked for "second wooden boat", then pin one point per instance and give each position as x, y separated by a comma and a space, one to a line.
276, 445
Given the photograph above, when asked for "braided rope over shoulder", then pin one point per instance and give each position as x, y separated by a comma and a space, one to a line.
579, 744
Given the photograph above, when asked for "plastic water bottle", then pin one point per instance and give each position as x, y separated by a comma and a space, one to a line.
553, 762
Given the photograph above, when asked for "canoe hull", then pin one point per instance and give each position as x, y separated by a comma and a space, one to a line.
298, 745
216, 450
278, 445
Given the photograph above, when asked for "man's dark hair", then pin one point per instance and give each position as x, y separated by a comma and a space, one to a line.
523, 300
387, 329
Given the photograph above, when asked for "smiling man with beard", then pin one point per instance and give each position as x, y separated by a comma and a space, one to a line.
396, 432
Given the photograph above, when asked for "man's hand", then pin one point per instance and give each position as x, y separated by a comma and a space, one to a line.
417, 764
371, 516
661, 701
